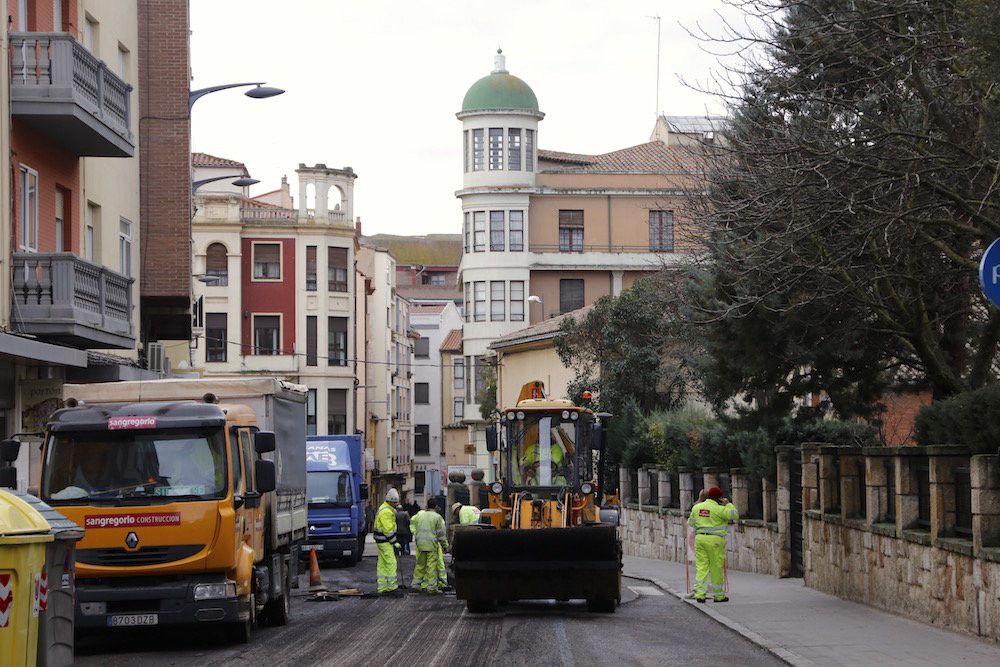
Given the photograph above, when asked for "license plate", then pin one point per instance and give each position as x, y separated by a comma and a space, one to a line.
129, 620
312, 547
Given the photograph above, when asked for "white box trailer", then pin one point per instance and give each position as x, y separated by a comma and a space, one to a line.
280, 407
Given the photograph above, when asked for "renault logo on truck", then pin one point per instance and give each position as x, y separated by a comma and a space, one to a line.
131, 540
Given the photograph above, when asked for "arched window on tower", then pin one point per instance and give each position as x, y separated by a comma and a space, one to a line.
311, 200
217, 265
336, 201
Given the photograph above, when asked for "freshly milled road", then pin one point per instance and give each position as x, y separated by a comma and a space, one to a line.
648, 629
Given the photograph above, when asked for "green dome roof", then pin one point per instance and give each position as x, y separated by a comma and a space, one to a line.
500, 90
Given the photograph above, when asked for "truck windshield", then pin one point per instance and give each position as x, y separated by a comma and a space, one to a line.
542, 451
329, 488
120, 467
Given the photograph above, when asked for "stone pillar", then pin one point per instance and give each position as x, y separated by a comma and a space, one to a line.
456, 482
853, 499
769, 500
740, 493
810, 476
643, 483
712, 477
686, 481
984, 474
322, 199
624, 486
943, 459
477, 489
829, 479
907, 502
783, 507
877, 483
663, 488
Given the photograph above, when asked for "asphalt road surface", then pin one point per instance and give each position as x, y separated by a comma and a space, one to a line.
651, 627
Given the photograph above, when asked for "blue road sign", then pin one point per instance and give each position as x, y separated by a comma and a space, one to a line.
989, 273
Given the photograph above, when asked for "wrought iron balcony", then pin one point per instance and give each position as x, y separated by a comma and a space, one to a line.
65, 299
64, 91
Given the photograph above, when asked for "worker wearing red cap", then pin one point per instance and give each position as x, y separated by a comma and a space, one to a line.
710, 519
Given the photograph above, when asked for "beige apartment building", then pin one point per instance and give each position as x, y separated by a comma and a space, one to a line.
548, 232
457, 451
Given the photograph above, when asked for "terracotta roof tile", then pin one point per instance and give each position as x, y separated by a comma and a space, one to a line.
452, 342
206, 160
542, 331
651, 157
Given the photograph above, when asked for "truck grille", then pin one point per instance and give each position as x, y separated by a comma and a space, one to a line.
143, 556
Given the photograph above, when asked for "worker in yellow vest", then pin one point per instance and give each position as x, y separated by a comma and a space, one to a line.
465, 514
430, 539
710, 520
388, 545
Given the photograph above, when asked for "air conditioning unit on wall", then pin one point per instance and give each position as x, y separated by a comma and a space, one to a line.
156, 358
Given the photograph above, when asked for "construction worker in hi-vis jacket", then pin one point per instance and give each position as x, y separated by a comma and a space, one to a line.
710, 519
384, 531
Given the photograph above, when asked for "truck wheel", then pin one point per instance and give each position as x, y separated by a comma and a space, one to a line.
352, 559
241, 632
278, 608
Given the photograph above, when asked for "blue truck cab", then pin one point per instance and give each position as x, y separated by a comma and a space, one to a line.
337, 497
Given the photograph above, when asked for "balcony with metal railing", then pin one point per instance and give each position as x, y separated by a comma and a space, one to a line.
62, 298
58, 87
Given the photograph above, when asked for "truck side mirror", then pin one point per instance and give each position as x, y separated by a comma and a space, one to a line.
492, 440
263, 442
364, 492
263, 472
9, 449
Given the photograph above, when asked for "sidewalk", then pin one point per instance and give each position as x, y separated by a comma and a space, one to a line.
806, 627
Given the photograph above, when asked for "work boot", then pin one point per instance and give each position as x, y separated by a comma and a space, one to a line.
394, 593
722, 599
700, 599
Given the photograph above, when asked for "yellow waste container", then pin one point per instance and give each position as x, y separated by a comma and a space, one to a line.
24, 534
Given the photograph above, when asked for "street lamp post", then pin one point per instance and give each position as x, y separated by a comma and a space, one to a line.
258, 91
540, 301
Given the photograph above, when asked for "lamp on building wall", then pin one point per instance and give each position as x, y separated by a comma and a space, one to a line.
240, 182
539, 300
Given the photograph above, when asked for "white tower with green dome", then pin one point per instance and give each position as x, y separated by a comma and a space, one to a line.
500, 142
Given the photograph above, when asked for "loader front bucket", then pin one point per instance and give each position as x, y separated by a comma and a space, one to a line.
539, 564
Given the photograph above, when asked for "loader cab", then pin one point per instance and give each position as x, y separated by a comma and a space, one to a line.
546, 447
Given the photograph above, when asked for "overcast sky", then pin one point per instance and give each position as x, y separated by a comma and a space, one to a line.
375, 85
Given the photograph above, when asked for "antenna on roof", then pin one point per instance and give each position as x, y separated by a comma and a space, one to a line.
657, 19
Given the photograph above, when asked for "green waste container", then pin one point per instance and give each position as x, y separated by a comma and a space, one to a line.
56, 618
24, 535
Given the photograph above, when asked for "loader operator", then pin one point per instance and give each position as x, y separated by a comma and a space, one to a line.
384, 531
527, 472
710, 519
465, 514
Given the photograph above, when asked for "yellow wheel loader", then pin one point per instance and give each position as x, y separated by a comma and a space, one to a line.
545, 534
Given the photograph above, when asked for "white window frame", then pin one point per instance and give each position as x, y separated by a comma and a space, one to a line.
28, 223
60, 219
253, 333
458, 373
253, 262
125, 246
123, 62
91, 34
519, 315
515, 149
479, 290
511, 246
498, 302
458, 407
498, 243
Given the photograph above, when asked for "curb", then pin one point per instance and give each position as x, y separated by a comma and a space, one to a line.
778, 651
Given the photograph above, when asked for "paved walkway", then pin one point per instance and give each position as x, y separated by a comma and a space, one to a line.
805, 627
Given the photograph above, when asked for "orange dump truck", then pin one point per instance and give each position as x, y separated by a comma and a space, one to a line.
192, 497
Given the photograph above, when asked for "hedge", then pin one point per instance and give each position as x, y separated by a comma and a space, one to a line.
971, 418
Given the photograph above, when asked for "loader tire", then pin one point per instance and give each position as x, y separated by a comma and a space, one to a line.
601, 606
479, 606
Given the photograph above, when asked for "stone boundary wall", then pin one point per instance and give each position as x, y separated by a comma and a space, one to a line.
649, 532
904, 576
912, 530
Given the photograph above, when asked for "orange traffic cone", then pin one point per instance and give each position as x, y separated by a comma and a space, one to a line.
315, 582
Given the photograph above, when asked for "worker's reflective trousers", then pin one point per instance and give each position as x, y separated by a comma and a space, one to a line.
709, 559
425, 572
442, 573
385, 568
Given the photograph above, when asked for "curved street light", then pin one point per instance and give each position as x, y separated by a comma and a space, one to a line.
240, 182
258, 92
